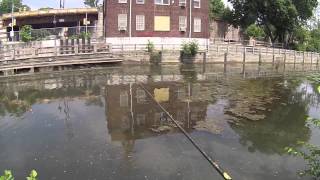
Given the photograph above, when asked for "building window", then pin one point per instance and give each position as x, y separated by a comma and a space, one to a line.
162, 2
139, 1
140, 24
196, 3
182, 23
197, 25
122, 1
141, 96
122, 22
124, 99
182, 3
162, 23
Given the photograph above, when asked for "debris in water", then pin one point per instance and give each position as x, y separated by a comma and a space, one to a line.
161, 129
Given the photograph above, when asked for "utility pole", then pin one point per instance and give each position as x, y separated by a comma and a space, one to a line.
12, 21
62, 3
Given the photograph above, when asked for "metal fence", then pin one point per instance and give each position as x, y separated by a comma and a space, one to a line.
55, 33
246, 42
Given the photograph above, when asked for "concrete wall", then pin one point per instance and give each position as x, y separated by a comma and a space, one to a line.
159, 42
221, 30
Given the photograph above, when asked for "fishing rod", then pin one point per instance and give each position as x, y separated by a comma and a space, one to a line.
215, 165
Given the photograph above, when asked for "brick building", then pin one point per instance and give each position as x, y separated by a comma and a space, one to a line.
158, 20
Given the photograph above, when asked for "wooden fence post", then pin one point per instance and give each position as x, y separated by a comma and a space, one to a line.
225, 62
244, 61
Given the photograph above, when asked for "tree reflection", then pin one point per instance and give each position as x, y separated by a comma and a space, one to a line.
284, 125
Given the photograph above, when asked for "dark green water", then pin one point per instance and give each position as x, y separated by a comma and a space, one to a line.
101, 124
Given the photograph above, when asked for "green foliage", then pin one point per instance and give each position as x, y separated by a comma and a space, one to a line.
255, 31
150, 46
7, 175
190, 48
33, 175
25, 33
6, 6
91, 3
310, 153
217, 8
40, 34
155, 57
278, 18
85, 35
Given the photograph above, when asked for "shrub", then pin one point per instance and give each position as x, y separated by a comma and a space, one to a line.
190, 48
85, 35
155, 57
9, 176
40, 34
25, 33
150, 46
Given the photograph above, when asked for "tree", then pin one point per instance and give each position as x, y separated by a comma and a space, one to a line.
217, 8
6, 6
255, 31
278, 18
91, 3
25, 33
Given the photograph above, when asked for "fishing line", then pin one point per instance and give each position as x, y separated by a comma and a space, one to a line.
215, 165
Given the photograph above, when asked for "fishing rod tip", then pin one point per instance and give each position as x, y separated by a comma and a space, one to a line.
226, 176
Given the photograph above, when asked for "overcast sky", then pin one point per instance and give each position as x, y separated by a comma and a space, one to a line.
36, 4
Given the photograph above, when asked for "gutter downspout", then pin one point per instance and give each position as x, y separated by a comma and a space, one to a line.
130, 18
190, 20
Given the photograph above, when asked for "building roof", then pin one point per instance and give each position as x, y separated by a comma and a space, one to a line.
49, 12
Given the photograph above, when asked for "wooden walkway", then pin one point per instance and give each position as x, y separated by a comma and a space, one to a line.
34, 59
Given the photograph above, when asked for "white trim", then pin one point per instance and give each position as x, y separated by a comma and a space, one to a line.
197, 25
143, 23
197, 7
122, 1
155, 2
140, 2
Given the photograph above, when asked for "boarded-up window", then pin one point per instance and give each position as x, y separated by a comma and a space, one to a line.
122, 21
140, 22
162, 23
197, 25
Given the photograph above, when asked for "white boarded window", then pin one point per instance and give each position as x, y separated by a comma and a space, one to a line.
182, 22
140, 24
196, 3
139, 1
122, 1
122, 22
162, 2
197, 25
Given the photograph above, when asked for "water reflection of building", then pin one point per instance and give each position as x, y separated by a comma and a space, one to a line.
131, 112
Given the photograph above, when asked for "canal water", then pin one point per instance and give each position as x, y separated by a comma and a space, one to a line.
102, 124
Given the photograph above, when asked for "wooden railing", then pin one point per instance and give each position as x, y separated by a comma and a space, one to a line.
7, 54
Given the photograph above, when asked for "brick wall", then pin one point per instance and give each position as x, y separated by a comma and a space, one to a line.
149, 10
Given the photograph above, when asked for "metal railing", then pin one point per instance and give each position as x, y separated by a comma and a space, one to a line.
246, 42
